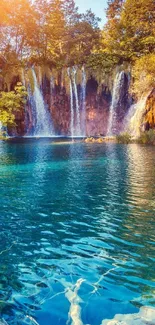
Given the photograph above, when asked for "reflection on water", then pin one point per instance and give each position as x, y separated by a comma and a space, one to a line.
76, 231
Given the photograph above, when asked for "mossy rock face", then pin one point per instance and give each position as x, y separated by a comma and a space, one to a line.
30, 79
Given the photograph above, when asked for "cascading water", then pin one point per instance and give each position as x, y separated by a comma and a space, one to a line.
77, 126
118, 83
83, 99
42, 125
71, 105
133, 120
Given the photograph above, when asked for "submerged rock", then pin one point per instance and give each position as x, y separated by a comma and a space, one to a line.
146, 316
3, 322
100, 140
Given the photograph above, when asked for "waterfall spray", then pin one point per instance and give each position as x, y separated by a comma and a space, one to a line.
41, 115
118, 82
83, 97
71, 105
78, 128
134, 118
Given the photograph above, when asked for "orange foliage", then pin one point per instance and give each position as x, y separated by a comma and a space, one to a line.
150, 110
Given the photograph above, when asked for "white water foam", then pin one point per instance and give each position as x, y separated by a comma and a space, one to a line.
136, 113
118, 83
43, 122
77, 127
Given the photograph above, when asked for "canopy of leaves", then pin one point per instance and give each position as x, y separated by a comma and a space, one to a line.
130, 29
47, 31
54, 33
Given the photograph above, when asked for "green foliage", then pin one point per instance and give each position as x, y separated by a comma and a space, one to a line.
101, 61
124, 138
138, 23
47, 31
130, 29
54, 33
3, 135
147, 137
144, 73
10, 102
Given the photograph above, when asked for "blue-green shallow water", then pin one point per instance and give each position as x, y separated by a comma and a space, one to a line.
76, 231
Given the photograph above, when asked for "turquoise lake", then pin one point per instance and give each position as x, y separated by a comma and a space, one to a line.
77, 239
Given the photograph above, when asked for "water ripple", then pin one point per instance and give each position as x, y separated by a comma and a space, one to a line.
77, 242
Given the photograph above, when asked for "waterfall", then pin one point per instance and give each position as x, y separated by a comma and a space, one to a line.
83, 98
118, 83
77, 127
72, 110
42, 123
78, 115
133, 119
71, 105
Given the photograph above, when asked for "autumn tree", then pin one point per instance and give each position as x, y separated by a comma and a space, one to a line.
138, 24
130, 29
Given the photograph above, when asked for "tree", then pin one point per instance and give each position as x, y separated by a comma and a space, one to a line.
47, 31
138, 23
82, 38
17, 32
130, 30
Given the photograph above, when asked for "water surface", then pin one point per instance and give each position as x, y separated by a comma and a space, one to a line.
77, 238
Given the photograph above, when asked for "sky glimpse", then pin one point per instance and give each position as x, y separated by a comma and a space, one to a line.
97, 6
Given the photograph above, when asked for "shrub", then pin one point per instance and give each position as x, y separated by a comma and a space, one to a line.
147, 137
3, 135
124, 138
10, 102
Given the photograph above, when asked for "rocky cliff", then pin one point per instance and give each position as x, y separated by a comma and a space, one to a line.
98, 98
149, 116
